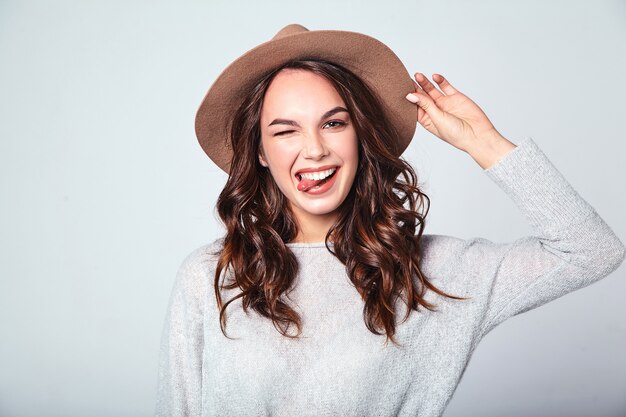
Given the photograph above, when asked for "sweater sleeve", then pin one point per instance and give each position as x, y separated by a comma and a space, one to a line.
571, 248
179, 388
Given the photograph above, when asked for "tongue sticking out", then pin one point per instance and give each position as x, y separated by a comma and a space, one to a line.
306, 184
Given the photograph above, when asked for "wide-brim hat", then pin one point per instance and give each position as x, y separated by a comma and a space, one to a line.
374, 62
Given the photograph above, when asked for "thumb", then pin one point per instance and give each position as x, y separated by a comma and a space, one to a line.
427, 104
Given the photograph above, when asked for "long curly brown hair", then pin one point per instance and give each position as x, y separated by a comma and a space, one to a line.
375, 233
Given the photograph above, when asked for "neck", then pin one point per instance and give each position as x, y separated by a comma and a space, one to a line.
313, 228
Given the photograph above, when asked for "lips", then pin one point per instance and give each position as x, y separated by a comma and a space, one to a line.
319, 185
317, 169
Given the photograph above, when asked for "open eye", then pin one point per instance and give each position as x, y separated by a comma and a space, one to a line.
339, 123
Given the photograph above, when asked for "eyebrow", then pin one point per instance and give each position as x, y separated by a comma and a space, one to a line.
294, 123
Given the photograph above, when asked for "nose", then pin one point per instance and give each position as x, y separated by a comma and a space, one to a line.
314, 147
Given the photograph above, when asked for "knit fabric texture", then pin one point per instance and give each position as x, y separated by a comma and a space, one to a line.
339, 367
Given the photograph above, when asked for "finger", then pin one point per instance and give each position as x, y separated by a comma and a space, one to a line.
428, 86
414, 98
445, 86
427, 104
418, 88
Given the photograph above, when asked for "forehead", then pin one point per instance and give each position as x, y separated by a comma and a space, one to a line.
296, 89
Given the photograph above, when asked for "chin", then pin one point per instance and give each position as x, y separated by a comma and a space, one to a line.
323, 208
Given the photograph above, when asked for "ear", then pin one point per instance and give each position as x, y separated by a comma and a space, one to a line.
262, 158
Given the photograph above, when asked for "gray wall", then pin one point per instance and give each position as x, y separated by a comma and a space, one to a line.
105, 190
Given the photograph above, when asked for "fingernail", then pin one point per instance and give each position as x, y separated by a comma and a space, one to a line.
412, 98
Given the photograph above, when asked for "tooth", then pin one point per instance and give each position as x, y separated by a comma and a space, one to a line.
317, 175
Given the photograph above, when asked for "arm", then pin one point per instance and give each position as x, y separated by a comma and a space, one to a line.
179, 391
571, 247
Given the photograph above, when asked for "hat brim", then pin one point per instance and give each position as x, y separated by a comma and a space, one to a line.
375, 63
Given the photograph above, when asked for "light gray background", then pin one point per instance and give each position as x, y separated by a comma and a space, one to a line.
105, 190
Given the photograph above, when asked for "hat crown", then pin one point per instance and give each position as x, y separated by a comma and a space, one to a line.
377, 65
288, 30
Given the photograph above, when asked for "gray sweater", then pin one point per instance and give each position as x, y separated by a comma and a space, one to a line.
340, 368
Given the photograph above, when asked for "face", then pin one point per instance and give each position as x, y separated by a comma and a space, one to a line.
306, 135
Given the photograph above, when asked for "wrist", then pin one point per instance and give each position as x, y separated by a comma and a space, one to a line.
488, 151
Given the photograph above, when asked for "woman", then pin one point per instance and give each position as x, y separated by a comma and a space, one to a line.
324, 260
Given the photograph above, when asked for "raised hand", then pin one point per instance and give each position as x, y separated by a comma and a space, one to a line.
456, 119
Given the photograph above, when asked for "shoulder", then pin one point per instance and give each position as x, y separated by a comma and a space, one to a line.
435, 247
431, 245
196, 271
449, 255
202, 257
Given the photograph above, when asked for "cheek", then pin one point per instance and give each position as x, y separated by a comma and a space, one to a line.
350, 150
281, 156
280, 162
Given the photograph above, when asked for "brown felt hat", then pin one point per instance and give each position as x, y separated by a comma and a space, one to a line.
368, 58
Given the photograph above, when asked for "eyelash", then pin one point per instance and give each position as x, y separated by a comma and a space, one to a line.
340, 122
